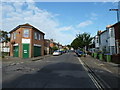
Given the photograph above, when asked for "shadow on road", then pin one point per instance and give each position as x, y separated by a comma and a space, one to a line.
59, 75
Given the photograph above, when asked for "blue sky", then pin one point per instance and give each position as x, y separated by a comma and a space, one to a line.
60, 20
73, 13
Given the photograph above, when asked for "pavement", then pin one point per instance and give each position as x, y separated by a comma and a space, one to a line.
10, 61
108, 73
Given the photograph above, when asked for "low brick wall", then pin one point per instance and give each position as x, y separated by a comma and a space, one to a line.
107, 58
116, 58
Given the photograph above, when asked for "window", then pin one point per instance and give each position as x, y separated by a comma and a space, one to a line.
14, 35
39, 36
42, 36
111, 32
26, 33
35, 35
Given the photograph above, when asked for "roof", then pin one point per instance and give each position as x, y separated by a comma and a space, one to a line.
102, 32
115, 24
26, 25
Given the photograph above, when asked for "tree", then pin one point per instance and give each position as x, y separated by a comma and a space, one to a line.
54, 48
4, 36
69, 46
75, 44
81, 41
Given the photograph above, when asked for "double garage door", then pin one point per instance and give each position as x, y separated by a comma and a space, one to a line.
37, 51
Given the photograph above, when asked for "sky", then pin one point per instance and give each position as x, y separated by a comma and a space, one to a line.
60, 21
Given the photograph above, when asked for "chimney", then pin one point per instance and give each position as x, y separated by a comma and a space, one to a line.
99, 32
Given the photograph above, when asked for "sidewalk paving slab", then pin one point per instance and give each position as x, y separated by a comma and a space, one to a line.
107, 72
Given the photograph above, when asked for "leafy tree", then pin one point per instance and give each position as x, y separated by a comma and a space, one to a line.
4, 36
75, 44
81, 41
69, 46
54, 48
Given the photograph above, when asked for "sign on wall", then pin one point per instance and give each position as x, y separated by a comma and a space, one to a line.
26, 41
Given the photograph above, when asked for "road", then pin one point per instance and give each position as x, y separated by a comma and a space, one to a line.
64, 71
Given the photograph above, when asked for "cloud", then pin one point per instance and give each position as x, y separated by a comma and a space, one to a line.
66, 28
84, 24
93, 16
16, 13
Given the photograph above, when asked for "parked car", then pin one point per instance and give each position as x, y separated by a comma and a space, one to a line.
56, 53
80, 53
61, 52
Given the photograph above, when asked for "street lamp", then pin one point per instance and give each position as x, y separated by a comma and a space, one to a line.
117, 13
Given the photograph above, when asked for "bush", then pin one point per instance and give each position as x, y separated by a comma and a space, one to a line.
3, 56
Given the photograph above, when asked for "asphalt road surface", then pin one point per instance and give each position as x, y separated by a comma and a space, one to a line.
64, 71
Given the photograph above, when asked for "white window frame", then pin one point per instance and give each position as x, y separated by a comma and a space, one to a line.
11, 36
39, 36
35, 35
25, 35
42, 36
14, 35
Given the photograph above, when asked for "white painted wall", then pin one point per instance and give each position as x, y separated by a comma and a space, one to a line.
104, 41
96, 41
111, 37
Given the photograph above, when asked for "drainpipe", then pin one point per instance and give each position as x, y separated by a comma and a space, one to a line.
117, 45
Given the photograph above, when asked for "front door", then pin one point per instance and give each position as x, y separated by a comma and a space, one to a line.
25, 50
15, 51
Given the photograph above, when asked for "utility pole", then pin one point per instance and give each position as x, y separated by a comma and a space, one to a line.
118, 16
117, 13
117, 10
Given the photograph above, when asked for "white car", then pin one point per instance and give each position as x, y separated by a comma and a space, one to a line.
56, 53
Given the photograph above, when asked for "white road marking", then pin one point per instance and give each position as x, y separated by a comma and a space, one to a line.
92, 78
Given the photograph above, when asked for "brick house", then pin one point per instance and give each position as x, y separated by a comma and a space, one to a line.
47, 46
26, 41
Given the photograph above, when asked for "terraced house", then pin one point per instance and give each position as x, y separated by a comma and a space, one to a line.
26, 41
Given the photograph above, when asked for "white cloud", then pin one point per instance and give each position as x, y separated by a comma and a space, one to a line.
84, 24
66, 28
14, 14
93, 16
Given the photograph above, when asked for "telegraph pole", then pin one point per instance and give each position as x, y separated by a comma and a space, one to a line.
117, 13
117, 10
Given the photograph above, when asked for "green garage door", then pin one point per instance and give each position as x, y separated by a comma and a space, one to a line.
25, 50
37, 51
15, 51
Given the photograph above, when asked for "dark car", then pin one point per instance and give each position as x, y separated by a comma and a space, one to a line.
80, 53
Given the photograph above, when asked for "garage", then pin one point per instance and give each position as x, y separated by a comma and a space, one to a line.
37, 50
